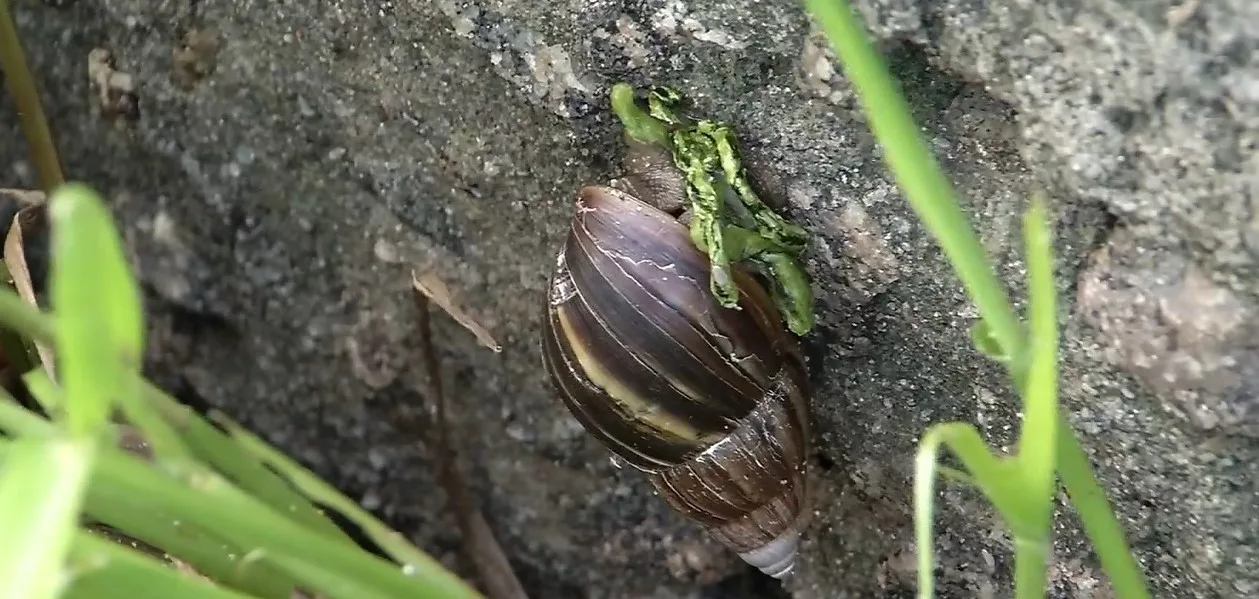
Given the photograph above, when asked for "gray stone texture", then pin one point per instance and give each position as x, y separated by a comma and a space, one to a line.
280, 168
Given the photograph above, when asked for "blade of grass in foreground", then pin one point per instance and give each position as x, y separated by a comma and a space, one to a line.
103, 568
1038, 437
1098, 517
929, 192
41, 491
42, 150
211, 503
214, 504
99, 328
201, 549
393, 543
23, 318
331, 587
234, 460
133, 516
997, 478
923, 183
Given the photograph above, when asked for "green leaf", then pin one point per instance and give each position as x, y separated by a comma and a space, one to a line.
981, 467
1038, 439
48, 395
313, 487
236, 461
921, 179
41, 491
18, 421
330, 585
211, 503
207, 553
930, 194
1099, 519
99, 326
981, 337
102, 568
24, 318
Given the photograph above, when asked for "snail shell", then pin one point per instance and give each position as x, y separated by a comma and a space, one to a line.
710, 402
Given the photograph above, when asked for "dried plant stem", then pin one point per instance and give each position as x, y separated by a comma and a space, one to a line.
26, 96
487, 555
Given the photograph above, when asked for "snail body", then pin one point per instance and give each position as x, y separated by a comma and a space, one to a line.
686, 370
710, 402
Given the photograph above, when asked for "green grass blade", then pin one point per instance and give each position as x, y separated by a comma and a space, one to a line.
1038, 440
925, 465
17, 421
141, 520
24, 318
211, 503
207, 443
205, 552
41, 491
100, 320
1098, 518
1030, 575
981, 337
104, 569
98, 325
982, 467
40, 145
313, 487
46, 394
920, 178
929, 192
16, 350
236, 462
330, 587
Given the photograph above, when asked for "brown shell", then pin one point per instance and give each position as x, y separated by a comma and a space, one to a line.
712, 402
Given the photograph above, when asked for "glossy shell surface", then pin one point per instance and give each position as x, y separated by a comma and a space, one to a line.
711, 402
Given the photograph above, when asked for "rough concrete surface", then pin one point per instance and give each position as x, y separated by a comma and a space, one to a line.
280, 167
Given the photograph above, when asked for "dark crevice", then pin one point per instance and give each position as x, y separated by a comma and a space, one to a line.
1124, 119
927, 89
1105, 223
197, 324
823, 461
185, 393
816, 348
354, 531
748, 583
537, 583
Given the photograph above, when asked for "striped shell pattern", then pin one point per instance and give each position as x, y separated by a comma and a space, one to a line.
710, 402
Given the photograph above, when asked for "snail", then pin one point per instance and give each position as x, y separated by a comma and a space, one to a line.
675, 356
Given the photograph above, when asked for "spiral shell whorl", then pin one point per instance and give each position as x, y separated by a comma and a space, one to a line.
750, 488
776, 558
710, 402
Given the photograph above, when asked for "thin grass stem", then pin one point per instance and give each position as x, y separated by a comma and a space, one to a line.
1098, 517
103, 568
21, 84
1030, 576
921, 180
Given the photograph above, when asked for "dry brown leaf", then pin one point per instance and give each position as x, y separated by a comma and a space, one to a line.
30, 218
436, 291
25, 197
